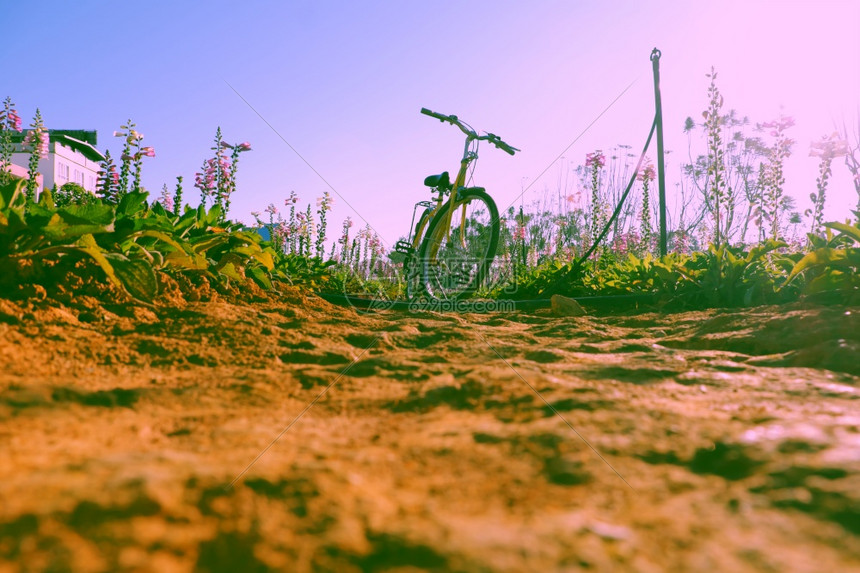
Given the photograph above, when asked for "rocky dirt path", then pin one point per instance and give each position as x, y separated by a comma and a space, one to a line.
719, 440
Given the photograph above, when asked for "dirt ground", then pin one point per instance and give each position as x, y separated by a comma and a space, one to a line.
295, 435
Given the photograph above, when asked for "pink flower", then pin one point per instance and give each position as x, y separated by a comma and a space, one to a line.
597, 158
782, 123
15, 121
647, 173
829, 147
38, 140
147, 151
244, 146
10, 121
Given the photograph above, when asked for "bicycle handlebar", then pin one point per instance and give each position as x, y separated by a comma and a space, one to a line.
438, 116
453, 120
497, 141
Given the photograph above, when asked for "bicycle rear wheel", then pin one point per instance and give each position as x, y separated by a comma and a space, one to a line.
454, 259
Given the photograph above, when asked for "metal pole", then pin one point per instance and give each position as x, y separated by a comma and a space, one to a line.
661, 175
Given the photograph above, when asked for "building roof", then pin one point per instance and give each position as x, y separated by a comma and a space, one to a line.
86, 135
83, 147
81, 140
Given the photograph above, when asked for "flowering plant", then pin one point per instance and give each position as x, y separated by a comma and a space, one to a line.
9, 121
645, 176
108, 180
826, 149
773, 176
596, 161
37, 141
324, 204
217, 178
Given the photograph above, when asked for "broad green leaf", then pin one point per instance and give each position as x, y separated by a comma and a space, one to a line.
131, 204
12, 195
852, 232
158, 209
230, 270
250, 237
88, 245
65, 226
229, 259
136, 275
161, 236
817, 257
96, 213
206, 242
182, 260
828, 281
261, 277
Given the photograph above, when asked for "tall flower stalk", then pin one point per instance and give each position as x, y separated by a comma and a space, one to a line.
344, 241
9, 121
595, 161
37, 142
324, 204
126, 158
217, 178
137, 160
718, 196
166, 199
775, 175
205, 181
293, 238
645, 176
234, 166
177, 197
108, 180
826, 149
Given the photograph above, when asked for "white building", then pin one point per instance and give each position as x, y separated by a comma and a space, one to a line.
72, 157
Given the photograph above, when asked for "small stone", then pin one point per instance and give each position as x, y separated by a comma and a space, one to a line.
609, 531
564, 306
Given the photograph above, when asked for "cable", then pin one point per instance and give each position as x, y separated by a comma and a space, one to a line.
611, 220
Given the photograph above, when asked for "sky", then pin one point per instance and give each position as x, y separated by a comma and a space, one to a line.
328, 93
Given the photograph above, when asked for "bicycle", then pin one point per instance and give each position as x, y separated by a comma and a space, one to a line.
455, 240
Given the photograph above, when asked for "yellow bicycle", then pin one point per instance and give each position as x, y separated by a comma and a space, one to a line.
450, 250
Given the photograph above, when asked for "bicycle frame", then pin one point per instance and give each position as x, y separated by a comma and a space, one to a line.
469, 155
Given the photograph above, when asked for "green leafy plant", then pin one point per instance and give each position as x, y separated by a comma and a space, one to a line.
832, 268
30, 232
72, 194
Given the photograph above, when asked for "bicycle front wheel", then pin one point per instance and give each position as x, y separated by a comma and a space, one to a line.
454, 258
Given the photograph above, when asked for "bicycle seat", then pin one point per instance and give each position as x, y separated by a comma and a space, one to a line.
440, 180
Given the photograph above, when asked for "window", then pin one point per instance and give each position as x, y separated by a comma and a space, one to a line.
62, 171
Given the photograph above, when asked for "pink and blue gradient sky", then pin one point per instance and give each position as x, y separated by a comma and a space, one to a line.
343, 82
